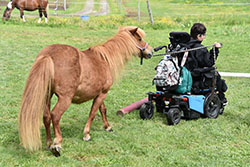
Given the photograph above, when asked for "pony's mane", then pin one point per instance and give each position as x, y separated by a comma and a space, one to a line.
119, 49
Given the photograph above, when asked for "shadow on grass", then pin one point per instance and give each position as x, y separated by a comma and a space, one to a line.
236, 118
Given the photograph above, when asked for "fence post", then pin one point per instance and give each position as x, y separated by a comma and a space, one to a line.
119, 5
150, 13
107, 7
65, 4
56, 7
138, 11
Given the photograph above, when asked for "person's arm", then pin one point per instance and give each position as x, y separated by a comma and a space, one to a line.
216, 52
205, 59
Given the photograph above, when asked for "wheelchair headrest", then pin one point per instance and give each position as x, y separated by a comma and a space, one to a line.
179, 38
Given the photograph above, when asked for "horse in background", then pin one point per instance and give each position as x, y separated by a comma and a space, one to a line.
74, 76
28, 5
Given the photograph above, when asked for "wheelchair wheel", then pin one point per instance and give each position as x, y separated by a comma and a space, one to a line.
221, 110
147, 110
173, 116
212, 106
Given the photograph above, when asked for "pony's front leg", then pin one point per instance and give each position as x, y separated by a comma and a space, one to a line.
103, 112
22, 15
96, 104
61, 106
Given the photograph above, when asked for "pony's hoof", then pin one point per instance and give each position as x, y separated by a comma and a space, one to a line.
109, 129
55, 150
39, 21
49, 145
86, 138
48, 148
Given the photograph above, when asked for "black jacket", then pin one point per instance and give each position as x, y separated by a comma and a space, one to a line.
199, 58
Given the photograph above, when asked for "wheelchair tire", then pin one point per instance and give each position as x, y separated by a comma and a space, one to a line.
173, 116
147, 110
221, 110
212, 106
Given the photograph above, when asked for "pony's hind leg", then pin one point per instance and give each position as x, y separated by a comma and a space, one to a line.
103, 112
45, 15
96, 104
62, 105
40, 15
47, 122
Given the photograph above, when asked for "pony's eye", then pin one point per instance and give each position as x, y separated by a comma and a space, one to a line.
140, 39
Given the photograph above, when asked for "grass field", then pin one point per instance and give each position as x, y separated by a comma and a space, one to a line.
204, 142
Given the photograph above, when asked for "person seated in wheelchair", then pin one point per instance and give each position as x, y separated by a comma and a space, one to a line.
202, 61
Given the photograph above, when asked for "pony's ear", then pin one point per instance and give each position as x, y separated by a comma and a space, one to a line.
133, 31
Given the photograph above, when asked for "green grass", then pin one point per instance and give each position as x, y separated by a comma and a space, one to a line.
134, 142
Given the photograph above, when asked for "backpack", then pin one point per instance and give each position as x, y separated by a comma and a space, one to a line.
167, 73
185, 82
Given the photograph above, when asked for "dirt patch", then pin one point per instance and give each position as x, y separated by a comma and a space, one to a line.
59, 6
4, 3
132, 11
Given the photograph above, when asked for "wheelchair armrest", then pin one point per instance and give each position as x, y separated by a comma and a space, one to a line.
204, 69
159, 48
197, 72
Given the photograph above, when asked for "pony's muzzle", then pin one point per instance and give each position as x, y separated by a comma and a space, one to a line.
5, 19
148, 55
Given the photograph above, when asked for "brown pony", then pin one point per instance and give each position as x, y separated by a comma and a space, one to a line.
74, 76
29, 5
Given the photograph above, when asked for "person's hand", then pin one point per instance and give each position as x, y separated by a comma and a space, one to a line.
217, 45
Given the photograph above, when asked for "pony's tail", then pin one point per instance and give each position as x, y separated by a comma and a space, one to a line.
35, 97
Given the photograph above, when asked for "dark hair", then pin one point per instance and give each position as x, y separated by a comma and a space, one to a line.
197, 29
